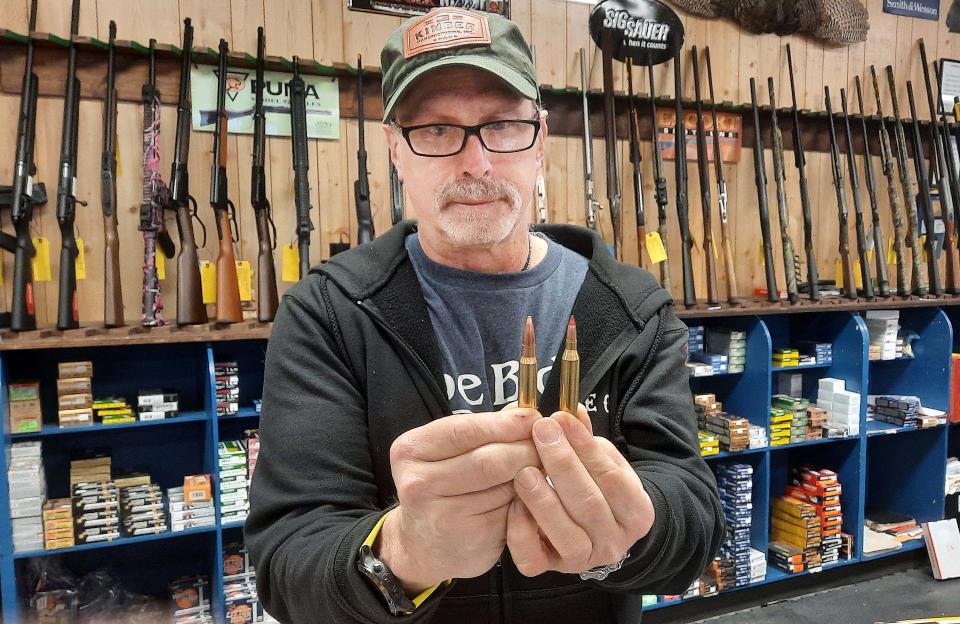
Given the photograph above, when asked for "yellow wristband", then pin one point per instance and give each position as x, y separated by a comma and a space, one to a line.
373, 537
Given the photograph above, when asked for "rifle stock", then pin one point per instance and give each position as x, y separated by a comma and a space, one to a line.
228, 291
680, 171
190, 307
896, 209
703, 168
760, 176
725, 235
660, 184
68, 316
849, 286
779, 175
933, 268
112, 293
267, 298
857, 206
879, 250
918, 282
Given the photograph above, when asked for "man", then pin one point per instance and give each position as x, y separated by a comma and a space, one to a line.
397, 480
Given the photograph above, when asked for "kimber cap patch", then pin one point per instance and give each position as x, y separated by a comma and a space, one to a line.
445, 28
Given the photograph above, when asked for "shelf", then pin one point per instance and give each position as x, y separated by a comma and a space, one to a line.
244, 413
788, 369
728, 454
233, 525
896, 359
761, 307
53, 430
123, 541
132, 335
773, 575
916, 544
813, 442
692, 376
875, 428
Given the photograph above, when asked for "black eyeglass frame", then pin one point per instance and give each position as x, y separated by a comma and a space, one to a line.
471, 131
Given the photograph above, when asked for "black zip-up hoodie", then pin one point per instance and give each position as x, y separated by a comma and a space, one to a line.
353, 363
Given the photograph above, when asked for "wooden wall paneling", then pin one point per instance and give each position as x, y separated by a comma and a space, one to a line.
549, 41
830, 227
378, 159
577, 36
49, 118
327, 37
138, 21
9, 105
53, 16
211, 20
795, 208
902, 66
364, 33
334, 194
246, 17
521, 12
628, 211
557, 170
17, 15
573, 183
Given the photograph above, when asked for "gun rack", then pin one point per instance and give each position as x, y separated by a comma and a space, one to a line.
50, 65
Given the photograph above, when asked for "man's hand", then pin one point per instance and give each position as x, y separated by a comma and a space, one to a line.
454, 480
595, 511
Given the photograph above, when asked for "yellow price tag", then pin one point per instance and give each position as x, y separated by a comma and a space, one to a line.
208, 281
655, 248
41, 261
81, 261
857, 275
161, 265
245, 280
839, 267
891, 254
761, 258
291, 264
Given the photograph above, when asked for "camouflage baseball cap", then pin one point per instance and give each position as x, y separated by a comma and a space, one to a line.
450, 36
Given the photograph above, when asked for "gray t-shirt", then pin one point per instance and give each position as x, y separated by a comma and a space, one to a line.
479, 319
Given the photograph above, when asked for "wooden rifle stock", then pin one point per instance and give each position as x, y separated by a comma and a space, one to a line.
879, 250
680, 171
228, 291
267, 298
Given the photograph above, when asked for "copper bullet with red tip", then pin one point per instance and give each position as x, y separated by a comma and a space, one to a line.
527, 384
570, 371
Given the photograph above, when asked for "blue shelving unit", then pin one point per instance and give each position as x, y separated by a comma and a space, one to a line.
898, 472
902, 473
167, 449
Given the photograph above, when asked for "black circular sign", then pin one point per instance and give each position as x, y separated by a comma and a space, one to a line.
647, 31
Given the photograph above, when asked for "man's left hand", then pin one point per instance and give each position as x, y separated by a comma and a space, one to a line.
596, 510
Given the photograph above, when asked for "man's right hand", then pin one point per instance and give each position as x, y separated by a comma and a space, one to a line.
454, 480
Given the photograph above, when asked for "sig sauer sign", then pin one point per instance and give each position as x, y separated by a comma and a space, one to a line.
647, 31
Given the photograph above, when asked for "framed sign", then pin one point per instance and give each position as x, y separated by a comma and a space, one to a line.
949, 83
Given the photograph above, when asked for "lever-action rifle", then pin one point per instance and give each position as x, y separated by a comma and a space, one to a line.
703, 168
267, 298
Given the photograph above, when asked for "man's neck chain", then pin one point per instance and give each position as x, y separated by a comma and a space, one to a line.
526, 265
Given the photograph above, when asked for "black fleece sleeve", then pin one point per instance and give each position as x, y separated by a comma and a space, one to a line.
659, 424
313, 499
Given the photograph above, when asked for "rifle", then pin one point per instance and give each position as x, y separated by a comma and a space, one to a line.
190, 308
112, 294
703, 168
301, 165
361, 186
886, 160
396, 196
918, 280
933, 268
156, 195
23, 195
635, 160
849, 286
953, 168
228, 291
68, 315
541, 197
725, 238
883, 281
800, 161
760, 175
779, 176
267, 298
660, 183
610, 141
944, 183
680, 173
857, 206
592, 205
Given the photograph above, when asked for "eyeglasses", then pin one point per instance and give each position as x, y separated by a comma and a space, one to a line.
501, 136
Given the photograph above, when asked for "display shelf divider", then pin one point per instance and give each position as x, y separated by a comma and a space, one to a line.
8, 577
213, 466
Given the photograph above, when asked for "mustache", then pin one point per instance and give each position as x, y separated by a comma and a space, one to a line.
475, 190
